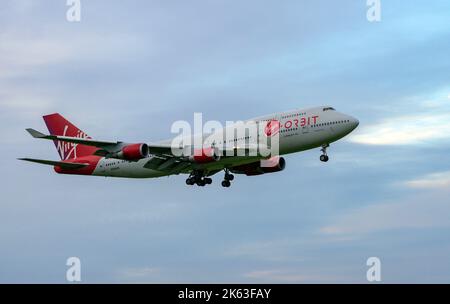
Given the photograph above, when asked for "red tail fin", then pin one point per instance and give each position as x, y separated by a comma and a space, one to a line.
58, 125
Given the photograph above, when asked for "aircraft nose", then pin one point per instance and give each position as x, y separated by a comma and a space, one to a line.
355, 122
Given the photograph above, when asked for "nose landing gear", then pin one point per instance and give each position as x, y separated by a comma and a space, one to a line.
324, 157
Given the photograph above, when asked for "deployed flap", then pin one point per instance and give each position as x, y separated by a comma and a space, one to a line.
63, 165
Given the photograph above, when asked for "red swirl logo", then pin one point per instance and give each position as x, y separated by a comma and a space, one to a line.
272, 128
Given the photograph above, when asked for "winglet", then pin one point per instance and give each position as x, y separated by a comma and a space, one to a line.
36, 134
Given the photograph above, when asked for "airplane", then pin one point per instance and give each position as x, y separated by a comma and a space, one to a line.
296, 130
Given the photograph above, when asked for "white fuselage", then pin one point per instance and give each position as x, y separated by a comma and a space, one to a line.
299, 130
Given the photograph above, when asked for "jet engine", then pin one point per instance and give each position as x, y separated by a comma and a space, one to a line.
205, 155
132, 152
274, 164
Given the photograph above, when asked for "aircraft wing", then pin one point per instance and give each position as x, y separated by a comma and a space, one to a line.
167, 150
240, 150
165, 160
156, 149
160, 149
63, 165
163, 157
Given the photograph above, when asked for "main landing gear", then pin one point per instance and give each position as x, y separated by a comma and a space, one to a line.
324, 157
198, 179
227, 179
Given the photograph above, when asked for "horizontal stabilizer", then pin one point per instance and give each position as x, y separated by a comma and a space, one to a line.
76, 140
63, 165
35, 134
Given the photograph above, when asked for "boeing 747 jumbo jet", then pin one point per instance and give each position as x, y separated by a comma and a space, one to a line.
232, 149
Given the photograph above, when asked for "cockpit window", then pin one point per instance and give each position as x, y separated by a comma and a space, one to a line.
329, 109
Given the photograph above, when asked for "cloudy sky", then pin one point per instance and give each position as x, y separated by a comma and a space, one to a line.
128, 70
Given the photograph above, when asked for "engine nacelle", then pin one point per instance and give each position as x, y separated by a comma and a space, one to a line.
133, 152
274, 164
205, 155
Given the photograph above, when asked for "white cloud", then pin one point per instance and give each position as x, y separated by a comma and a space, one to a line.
425, 119
20, 7
23, 55
282, 276
156, 213
429, 210
434, 180
406, 130
24, 99
276, 276
138, 274
270, 250
19, 55
27, 57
